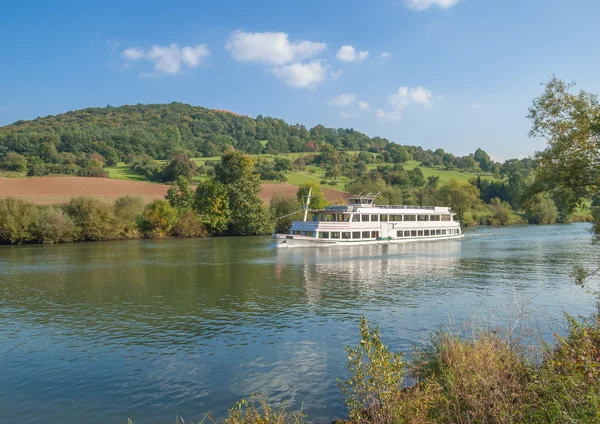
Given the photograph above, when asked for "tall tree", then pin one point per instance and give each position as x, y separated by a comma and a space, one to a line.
461, 196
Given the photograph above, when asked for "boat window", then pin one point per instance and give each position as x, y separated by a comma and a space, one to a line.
446, 217
346, 235
324, 235
410, 217
413, 233
342, 218
400, 233
438, 232
383, 218
374, 218
364, 218
311, 233
426, 234
407, 234
374, 234
420, 233
443, 232
356, 235
366, 234
422, 217
434, 218
335, 235
395, 217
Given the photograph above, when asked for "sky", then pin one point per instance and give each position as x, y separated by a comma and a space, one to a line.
456, 74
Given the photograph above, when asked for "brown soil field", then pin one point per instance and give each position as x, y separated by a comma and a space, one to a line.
54, 190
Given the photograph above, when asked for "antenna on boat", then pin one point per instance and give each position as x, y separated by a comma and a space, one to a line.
307, 204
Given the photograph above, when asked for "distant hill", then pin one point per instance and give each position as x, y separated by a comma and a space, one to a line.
159, 130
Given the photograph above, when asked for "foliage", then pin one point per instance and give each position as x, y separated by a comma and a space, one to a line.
157, 219
179, 166
180, 195
14, 162
212, 203
95, 217
374, 387
55, 226
502, 213
18, 220
282, 208
540, 209
258, 411
189, 225
317, 199
570, 165
458, 195
127, 210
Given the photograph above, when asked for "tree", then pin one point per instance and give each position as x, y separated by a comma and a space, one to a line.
461, 196
433, 181
317, 199
212, 204
283, 164
398, 153
416, 177
17, 220
127, 210
282, 208
95, 217
483, 159
180, 166
570, 122
249, 215
14, 162
540, 209
158, 219
180, 195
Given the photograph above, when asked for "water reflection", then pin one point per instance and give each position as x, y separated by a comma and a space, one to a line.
101, 332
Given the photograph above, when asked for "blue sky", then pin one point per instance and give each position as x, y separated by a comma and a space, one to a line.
457, 74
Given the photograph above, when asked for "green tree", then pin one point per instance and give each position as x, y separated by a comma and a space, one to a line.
18, 220
570, 122
127, 210
416, 177
398, 153
212, 204
95, 217
158, 219
282, 208
180, 195
55, 226
461, 196
283, 164
540, 209
317, 199
249, 216
14, 162
180, 166
484, 160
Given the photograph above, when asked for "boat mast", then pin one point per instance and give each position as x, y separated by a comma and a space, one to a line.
307, 204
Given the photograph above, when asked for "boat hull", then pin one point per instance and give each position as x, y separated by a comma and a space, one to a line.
287, 240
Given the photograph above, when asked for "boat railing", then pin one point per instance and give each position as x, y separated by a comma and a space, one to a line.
432, 208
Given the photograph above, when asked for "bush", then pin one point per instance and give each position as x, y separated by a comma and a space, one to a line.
180, 166
55, 226
189, 225
540, 209
95, 217
158, 219
93, 171
282, 208
127, 210
18, 220
14, 162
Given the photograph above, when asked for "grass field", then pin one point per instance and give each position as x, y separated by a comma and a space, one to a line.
312, 174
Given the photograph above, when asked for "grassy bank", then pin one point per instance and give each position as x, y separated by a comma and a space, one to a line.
476, 375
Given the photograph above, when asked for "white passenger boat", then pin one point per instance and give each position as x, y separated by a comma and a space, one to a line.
363, 222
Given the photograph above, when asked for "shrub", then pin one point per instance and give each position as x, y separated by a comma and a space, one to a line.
282, 208
258, 411
127, 210
14, 162
158, 219
180, 166
540, 209
95, 217
17, 220
55, 226
93, 171
189, 225
180, 195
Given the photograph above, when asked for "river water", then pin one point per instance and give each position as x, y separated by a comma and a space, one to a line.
103, 332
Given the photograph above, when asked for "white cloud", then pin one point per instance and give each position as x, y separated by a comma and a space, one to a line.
302, 74
344, 99
348, 114
349, 54
385, 55
336, 74
388, 116
403, 98
270, 48
3, 108
363, 105
426, 4
168, 60
475, 106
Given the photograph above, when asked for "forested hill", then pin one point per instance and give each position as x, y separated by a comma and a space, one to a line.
159, 130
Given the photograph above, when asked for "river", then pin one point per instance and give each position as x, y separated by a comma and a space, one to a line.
147, 330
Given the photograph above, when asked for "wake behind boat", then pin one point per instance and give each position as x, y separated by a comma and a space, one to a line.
363, 222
